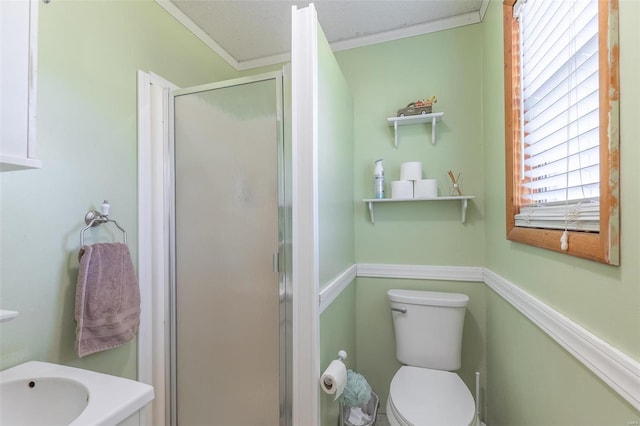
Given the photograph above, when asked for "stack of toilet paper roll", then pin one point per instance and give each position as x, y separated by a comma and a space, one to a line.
411, 184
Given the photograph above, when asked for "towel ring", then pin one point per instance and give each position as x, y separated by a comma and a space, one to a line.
95, 218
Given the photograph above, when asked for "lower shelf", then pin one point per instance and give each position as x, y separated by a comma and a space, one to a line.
464, 202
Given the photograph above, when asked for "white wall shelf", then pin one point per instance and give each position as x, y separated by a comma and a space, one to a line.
464, 202
415, 119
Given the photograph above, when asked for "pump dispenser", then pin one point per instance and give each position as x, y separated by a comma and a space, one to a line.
378, 179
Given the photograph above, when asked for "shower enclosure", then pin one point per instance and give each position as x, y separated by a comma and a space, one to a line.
230, 263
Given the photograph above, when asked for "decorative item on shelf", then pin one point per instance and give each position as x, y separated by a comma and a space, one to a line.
418, 107
455, 184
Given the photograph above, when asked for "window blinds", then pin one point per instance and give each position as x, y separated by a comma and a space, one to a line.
560, 118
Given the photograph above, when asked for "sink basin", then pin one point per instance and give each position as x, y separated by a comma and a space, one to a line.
59, 401
41, 393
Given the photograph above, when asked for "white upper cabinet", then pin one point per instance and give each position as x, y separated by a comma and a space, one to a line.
18, 38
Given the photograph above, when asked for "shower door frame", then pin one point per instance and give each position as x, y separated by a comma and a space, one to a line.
156, 227
282, 261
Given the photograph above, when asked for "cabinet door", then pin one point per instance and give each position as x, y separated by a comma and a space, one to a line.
18, 38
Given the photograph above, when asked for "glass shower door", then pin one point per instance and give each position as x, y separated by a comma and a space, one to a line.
227, 337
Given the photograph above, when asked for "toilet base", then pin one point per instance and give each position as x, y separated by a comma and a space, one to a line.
395, 421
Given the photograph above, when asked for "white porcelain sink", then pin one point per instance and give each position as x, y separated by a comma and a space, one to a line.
45, 394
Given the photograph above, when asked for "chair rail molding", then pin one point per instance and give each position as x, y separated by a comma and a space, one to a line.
332, 289
421, 272
614, 367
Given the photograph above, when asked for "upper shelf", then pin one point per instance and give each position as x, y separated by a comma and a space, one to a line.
416, 119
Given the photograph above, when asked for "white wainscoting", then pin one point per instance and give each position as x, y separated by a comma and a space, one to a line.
614, 367
421, 272
332, 290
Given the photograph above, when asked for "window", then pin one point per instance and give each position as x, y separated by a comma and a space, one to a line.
561, 126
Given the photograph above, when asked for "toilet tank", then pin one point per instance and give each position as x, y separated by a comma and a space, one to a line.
429, 331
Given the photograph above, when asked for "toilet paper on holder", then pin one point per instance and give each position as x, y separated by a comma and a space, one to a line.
334, 378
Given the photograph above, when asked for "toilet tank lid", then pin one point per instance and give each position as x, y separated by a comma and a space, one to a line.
431, 298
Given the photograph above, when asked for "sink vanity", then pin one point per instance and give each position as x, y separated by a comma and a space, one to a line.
41, 393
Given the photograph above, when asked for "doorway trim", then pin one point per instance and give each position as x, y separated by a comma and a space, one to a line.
305, 236
155, 216
153, 244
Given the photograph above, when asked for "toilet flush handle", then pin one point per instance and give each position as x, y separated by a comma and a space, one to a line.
401, 309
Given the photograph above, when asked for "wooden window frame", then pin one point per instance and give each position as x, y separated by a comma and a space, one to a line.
603, 246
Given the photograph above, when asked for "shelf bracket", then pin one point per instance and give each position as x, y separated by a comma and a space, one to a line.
433, 130
465, 204
395, 132
431, 118
370, 203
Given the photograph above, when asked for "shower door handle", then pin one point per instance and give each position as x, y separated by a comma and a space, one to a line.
276, 262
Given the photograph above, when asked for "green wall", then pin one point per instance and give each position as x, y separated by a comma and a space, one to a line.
335, 160
531, 379
384, 78
335, 214
337, 331
89, 53
88, 56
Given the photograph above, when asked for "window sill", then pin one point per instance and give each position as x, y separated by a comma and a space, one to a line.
586, 245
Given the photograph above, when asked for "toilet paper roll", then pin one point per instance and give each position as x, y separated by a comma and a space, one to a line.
334, 378
402, 189
411, 170
425, 188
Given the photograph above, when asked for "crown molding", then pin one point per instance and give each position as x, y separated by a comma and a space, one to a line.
266, 61
245, 65
174, 11
483, 9
410, 31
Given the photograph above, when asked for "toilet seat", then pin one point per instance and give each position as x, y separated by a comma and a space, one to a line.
424, 397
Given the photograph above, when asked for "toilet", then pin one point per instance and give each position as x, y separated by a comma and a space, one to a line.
425, 391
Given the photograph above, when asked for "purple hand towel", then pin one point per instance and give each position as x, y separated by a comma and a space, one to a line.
107, 298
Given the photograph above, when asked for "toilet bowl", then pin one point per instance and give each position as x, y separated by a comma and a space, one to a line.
428, 331
421, 397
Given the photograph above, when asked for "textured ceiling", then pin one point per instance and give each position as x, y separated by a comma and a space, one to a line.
258, 29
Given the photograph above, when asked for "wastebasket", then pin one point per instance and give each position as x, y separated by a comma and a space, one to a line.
362, 415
